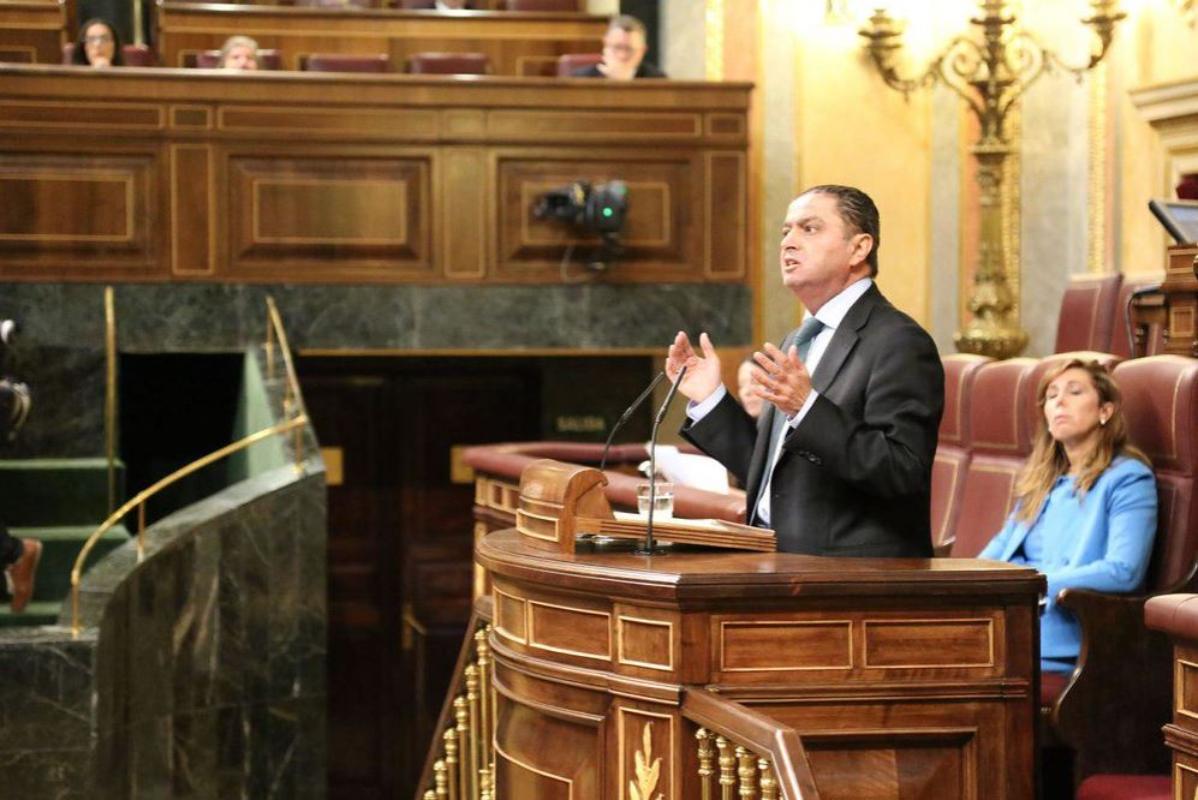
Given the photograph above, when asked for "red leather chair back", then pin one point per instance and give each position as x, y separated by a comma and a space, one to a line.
209, 59
542, 5
1160, 401
952, 452
999, 442
1088, 313
134, 55
417, 5
338, 62
449, 64
569, 63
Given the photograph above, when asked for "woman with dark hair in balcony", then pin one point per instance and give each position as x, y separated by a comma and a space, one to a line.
98, 45
1085, 511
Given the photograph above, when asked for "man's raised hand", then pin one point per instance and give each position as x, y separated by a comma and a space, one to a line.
702, 371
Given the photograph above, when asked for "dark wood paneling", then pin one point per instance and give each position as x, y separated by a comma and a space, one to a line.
309, 211
32, 32
308, 177
93, 214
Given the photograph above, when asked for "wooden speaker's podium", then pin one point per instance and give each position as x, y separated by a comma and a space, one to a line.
842, 678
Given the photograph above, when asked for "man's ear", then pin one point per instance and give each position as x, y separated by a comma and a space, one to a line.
863, 243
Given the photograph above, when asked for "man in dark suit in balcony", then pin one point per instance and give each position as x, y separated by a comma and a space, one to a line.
840, 462
624, 47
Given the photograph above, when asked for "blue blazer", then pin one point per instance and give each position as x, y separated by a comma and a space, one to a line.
1102, 542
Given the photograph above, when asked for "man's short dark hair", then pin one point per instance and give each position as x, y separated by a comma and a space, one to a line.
626, 22
857, 210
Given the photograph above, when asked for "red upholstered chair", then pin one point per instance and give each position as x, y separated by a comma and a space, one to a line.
449, 64
209, 59
569, 63
952, 452
421, 5
542, 5
134, 55
1088, 313
1175, 615
1000, 441
1112, 709
338, 62
1125, 787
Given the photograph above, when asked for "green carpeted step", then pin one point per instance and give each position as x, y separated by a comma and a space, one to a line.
38, 612
56, 491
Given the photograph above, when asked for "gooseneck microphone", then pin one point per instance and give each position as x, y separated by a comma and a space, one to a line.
661, 376
650, 545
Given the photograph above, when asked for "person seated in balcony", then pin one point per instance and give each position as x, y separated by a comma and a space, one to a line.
238, 53
624, 47
1085, 511
98, 45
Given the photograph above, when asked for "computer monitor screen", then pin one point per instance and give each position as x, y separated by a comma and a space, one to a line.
1180, 218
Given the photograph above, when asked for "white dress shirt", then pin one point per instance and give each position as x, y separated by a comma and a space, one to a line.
831, 314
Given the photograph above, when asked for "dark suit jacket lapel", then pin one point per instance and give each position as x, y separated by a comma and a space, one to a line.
844, 340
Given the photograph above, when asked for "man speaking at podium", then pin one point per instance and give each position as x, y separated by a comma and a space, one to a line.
840, 462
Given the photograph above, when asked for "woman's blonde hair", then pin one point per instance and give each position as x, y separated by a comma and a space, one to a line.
1048, 460
235, 41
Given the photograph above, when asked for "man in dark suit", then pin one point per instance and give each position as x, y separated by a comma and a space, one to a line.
840, 462
624, 47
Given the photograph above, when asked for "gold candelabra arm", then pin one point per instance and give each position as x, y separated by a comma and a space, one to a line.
884, 35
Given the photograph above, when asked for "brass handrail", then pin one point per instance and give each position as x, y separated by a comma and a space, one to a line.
274, 329
138, 502
110, 398
292, 396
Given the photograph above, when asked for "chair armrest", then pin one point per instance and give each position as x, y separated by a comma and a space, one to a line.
1112, 711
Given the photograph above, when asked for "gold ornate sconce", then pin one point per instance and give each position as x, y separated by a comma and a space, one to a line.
990, 71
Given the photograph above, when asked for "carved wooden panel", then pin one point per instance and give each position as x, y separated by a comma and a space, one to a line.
854, 766
569, 630
854, 646
1185, 688
32, 32
661, 232
510, 617
288, 215
193, 221
59, 209
646, 643
780, 646
928, 643
646, 746
546, 756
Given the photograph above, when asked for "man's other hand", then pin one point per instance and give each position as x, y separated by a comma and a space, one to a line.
781, 378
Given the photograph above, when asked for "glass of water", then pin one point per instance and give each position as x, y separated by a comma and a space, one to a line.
663, 498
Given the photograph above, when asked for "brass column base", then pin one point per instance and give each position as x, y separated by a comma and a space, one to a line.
991, 340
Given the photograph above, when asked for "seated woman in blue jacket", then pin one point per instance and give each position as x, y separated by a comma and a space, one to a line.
1085, 511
